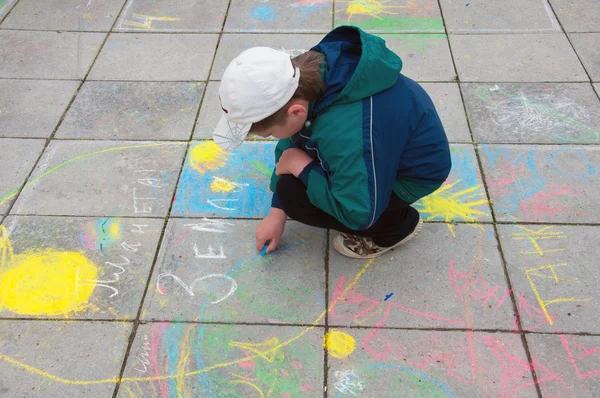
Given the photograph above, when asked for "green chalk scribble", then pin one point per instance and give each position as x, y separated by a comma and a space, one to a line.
404, 24
261, 167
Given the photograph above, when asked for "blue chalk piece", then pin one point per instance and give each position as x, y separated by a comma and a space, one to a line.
467, 4
388, 296
264, 250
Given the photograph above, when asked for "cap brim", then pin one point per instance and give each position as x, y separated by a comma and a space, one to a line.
228, 135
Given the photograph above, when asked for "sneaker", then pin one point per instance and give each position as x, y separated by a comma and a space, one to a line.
354, 246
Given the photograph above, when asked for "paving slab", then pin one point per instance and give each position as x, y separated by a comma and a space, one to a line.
81, 15
543, 183
577, 16
224, 361
279, 16
208, 270
588, 48
552, 269
155, 57
462, 197
58, 359
32, 108
104, 179
102, 264
572, 364
231, 45
448, 102
226, 184
133, 110
210, 112
47, 55
516, 58
418, 363
172, 16
499, 17
449, 277
390, 16
425, 57
17, 158
565, 113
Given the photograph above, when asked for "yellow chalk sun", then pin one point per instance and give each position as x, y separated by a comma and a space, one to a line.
371, 8
221, 185
207, 155
449, 206
339, 344
47, 282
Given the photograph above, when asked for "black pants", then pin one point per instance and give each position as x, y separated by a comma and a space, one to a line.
397, 221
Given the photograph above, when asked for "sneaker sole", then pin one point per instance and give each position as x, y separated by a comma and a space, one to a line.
339, 245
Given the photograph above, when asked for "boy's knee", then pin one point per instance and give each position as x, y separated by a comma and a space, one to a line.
287, 186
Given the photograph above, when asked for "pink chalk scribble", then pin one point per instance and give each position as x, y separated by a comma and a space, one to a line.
458, 360
477, 288
533, 313
516, 369
581, 352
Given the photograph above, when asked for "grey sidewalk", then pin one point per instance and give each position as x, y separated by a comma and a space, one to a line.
127, 259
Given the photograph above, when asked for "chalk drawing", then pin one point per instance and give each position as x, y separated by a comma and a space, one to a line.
419, 16
461, 197
307, 7
181, 373
581, 356
549, 272
4, 5
521, 192
210, 225
143, 356
347, 382
210, 254
207, 156
235, 184
89, 5
116, 274
44, 282
224, 185
190, 288
339, 344
100, 234
264, 13
538, 114
145, 21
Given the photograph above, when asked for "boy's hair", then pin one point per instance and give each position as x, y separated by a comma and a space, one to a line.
309, 87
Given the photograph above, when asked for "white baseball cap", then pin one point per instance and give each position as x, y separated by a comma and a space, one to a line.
255, 85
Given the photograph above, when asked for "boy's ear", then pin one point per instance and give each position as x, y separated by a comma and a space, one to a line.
297, 110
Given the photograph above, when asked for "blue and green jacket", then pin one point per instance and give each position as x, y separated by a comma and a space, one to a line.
372, 131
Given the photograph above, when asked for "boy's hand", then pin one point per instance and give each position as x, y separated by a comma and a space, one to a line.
270, 229
292, 161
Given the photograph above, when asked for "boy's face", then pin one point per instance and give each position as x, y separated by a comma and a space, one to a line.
296, 117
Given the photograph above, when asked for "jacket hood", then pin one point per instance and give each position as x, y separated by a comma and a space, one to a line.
359, 65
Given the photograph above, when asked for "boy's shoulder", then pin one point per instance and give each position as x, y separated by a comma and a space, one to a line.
405, 95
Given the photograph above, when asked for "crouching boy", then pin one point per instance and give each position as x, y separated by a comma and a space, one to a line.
358, 141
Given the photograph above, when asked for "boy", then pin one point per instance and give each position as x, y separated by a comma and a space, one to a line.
358, 141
